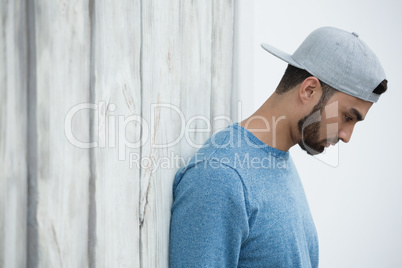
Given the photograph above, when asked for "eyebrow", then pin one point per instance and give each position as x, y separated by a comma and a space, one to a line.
357, 114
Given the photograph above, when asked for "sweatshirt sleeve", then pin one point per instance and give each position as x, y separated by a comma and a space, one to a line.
209, 217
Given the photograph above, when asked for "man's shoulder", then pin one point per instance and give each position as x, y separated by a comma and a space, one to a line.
208, 169
222, 149
213, 163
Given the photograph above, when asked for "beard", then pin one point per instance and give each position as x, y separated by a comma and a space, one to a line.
309, 129
310, 126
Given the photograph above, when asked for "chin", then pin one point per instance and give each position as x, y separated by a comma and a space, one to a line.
312, 149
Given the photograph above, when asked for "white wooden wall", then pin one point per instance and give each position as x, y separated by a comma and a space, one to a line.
13, 133
140, 70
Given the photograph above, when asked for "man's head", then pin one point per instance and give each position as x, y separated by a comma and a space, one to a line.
331, 119
346, 74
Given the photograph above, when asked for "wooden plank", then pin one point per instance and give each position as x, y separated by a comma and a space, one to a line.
59, 168
161, 73
179, 67
13, 133
195, 82
117, 92
222, 55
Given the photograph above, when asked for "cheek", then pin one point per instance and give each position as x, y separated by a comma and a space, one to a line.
330, 128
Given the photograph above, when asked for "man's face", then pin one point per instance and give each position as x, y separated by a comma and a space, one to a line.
330, 122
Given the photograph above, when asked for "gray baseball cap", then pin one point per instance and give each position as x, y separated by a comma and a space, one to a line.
339, 59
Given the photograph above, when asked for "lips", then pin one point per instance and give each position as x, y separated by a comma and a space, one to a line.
331, 142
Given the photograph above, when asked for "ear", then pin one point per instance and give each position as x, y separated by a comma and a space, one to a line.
309, 89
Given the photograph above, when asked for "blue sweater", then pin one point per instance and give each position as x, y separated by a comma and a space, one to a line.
240, 203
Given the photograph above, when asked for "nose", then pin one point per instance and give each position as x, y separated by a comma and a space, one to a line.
345, 134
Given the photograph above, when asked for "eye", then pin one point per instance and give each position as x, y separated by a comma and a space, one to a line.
348, 118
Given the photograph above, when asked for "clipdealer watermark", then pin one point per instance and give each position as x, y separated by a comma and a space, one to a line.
110, 131
114, 127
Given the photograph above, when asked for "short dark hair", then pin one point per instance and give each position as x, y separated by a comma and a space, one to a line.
294, 76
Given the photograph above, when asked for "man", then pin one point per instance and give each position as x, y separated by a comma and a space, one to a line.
240, 202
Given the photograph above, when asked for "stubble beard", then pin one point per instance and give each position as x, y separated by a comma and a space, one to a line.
310, 135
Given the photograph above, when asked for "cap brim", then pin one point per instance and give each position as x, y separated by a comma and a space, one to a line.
282, 55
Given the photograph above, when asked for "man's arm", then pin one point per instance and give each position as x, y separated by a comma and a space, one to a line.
209, 218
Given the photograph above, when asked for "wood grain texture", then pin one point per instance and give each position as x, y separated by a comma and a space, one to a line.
117, 92
182, 46
222, 55
13, 133
59, 170
195, 81
161, 71
149, 82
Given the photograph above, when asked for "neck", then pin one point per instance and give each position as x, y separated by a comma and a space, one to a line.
273, 123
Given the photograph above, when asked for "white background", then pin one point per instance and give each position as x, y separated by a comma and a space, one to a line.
357, 205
